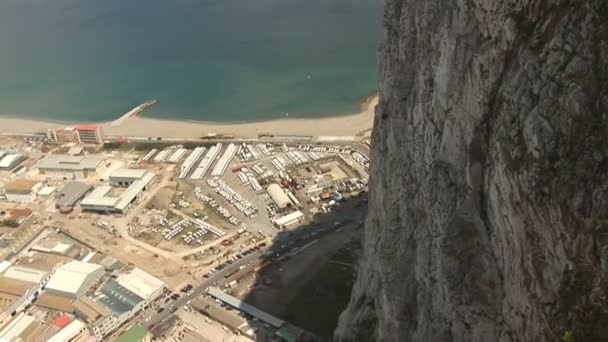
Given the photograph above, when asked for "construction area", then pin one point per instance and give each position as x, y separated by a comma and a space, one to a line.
234, 216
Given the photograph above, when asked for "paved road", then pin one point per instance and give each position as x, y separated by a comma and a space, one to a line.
202, 286
281, 245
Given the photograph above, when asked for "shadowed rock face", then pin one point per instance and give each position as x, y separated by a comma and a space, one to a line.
489, 183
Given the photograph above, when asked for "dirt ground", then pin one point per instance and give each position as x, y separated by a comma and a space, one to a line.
162, 199
169, 271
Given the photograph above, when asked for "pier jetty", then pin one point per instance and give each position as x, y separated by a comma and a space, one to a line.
135, 111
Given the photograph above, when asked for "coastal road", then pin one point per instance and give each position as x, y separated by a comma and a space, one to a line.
201, 287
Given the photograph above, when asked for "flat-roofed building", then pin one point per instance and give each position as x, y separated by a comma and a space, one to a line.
71, 167
90, 134
98, 200
20, 215
75, 331
55, 302
42, 262
71, 193
208, 307
289, 219
248, 308
142, 284
126, 177
74, 278
22, 190
89, 310
76, 150
46, 191
95, 315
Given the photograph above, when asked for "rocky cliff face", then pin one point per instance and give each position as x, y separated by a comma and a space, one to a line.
488, 202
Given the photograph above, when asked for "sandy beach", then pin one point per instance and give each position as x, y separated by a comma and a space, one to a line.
344, 125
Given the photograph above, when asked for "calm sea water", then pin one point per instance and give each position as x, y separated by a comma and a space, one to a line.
218, 60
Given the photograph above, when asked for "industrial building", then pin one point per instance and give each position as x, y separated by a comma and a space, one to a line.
15, 295
16, 329
75, 150
4, 265
25, 327
54, 302
71, 167
97, 316
9, 161
99, 201
46, 191
18, 215
289, 219
27, 274
74, 278
278, 196
126, 177
22, 190
75, 331
121, 302
142, 284
70, 194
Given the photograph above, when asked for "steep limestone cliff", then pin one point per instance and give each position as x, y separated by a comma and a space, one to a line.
488, 216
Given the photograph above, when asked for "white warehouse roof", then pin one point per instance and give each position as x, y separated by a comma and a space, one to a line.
68, 333
4, 265
9, 159
278, 195
17, 326
128, 173
134, 190
31, 275
67, 162
289, 219
47, 191
140, 282
70, 277
98, 197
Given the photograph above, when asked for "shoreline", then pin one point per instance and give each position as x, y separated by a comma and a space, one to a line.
337, 125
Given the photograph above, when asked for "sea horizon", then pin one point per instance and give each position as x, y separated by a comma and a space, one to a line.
203, 60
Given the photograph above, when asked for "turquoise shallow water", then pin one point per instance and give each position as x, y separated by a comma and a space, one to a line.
215, 60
